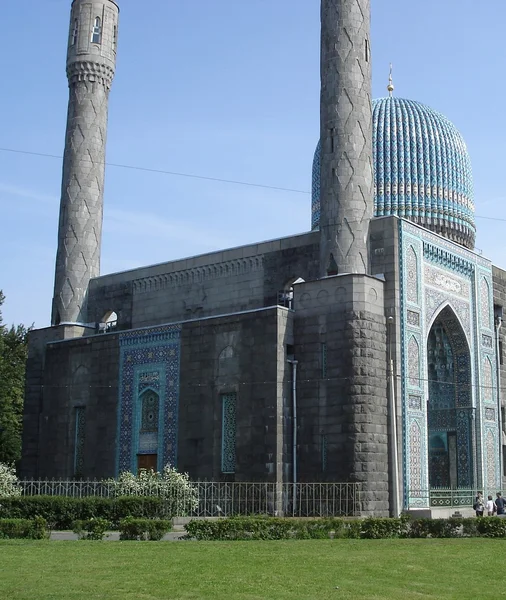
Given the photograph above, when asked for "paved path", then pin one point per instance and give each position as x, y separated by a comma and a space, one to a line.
112, 536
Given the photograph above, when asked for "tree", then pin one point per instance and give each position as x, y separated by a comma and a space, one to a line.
13, 354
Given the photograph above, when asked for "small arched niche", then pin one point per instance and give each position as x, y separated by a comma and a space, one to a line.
285, 296
108, 322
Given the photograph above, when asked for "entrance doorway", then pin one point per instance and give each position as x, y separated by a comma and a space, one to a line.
449, 406
147, 461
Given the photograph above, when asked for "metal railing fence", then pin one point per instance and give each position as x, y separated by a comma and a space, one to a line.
215, 499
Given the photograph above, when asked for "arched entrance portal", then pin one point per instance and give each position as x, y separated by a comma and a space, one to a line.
450, 412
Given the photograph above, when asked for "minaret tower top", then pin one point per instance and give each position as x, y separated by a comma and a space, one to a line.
91, 62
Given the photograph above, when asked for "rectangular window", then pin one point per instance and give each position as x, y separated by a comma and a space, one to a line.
228, 432
324, 452
501, 359
367, 51
80, 431
114, 38
75, 31
324, 360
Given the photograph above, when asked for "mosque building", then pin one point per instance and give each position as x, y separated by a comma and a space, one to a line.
368, 349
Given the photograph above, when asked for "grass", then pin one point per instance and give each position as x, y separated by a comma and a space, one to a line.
274, 570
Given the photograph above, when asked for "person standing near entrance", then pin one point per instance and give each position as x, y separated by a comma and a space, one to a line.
500, 504
479, 505
490, 506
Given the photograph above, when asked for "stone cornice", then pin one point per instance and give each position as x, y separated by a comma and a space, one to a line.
90, 71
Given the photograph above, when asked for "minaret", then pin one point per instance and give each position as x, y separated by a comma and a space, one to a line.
347, 201
91, 61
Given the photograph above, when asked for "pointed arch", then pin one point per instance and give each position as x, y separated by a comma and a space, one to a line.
413, 362
412, 274
450, 403
485, 302
491, 457
487, 387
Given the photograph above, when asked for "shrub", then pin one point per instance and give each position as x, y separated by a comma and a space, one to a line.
9, 486
62, 512
34, 529
179, 495
263, 528
143, 529
92, 529
494, 527
382, 528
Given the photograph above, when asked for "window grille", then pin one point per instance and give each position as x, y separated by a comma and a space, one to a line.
80, 430
229, 427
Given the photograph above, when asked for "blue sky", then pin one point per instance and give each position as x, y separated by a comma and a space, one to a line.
227, 89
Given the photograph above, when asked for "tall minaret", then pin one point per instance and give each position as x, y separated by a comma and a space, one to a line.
91, 61
347, 201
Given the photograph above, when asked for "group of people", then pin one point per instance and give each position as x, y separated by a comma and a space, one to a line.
491, 507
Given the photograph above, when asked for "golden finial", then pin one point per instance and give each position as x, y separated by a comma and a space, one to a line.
390, 86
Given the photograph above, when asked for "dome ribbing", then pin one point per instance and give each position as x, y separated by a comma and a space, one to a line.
422, 170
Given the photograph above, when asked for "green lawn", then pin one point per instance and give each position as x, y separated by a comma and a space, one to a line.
299, 570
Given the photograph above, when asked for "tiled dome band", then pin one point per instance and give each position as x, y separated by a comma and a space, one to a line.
422, 170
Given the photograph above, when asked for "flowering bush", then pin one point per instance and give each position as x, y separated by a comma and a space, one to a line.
180, 496
8, 482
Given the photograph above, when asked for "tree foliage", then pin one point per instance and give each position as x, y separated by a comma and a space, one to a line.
13, 354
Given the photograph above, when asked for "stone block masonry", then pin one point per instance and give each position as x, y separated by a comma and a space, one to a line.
346, 186
91, 62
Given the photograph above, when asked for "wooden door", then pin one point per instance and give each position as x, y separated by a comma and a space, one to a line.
147, 461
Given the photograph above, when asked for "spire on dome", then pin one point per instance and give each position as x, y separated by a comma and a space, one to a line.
390, 86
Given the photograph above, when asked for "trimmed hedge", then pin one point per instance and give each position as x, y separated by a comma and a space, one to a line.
34, 529
143, 529
92, 529
61, 512
265, 528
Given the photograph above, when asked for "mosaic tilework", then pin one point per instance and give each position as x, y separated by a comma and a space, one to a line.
415, 461
491, 461
485, 303
413, 318
229, 430
415, 402
412, 275
80, 437
414, 362
450, 278
422, 170
490, 414
487, 341
149, 359
487, 381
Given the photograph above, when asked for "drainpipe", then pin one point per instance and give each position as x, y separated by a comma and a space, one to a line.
294, 364
392, 409
498, 325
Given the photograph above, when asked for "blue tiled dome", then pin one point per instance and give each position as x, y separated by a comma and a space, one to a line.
422, 170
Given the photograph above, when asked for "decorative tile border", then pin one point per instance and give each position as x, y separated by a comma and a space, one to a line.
149, 359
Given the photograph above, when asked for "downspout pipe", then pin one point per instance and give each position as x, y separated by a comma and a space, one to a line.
294, 364
498, 325
392, 409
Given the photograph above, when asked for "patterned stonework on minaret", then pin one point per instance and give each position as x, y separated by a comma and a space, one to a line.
347, 202
91, 61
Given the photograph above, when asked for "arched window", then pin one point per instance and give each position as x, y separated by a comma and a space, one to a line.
75, 31
96, 36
